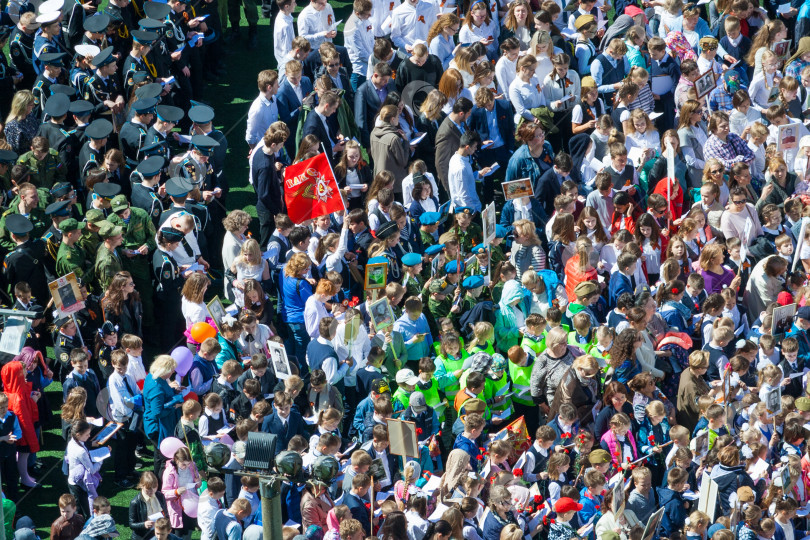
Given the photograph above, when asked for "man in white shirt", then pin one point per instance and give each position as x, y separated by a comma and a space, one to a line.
381, 12
410, 22
264, 109
358, 36
283, 33
461, 177
316, 23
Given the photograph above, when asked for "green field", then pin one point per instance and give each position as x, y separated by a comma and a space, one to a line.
231, 98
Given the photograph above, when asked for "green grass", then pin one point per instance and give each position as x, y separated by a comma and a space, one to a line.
231, 98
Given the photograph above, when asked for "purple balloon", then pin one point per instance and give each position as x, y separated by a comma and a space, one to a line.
184, 358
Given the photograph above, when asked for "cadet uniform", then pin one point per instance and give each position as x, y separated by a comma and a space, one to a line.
28, 261
164, 113
90, 239
21, 47
133, 134
144, 197
108, 262
58, 212
441, 308
90, 157
99, 89
168, 282
72, 258
43, 83
138, 231
60, 139
62, 347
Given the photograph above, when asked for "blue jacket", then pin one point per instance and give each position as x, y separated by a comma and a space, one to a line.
588, 506
160, 415
357, 507
523, 165
493, 525
619, 283
468, 446
538, 216
295, 293
365, 409
295, 426
289, 108
506, 123
674, 513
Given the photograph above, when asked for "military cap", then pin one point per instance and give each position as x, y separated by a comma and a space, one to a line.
138, 77
803, 404
99, 129
119, 203
708, 43
94, 216
81, 108
171, 234
585, 288
463, 210
429, 218
103, 58
479, 249
387, 229
86, 49
148, 90
59, 208
151, 166
156, 10
64, 89
474, 405
108, 230
145, 105
52, 59
154, 149
472, 282
97, 23
200, 114
380, 386
178, 187
500, 231
204, 144
19, 224
148, 24
598, 457
57, 105
434, 249
169, 113
440, 286
411, 259
59, 322
145, 37
61, 189
48, 17
452, 267
106, 190
7, 157
70, 224
55, 6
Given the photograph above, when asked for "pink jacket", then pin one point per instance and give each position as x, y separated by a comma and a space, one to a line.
170, 487
613, 445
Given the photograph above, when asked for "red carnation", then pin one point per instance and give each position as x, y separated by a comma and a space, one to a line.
552, 521
419, 431
597, 507
651, 438
565, 436
616, 453
628, 459
619, 468
479, 457
481, 449
517, 471
368, 506
538, 499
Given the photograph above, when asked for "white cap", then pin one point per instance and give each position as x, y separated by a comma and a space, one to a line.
48, 17
51, 5
804, 142
85, 49
406, 376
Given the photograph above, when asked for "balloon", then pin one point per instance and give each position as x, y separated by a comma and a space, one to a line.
184, 358
201, 331
190, 500
191, 396
169, 447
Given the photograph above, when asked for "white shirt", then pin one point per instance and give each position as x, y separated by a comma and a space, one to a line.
262, 113
359, 39
761, 88
358, 349
410, 24
505, 72
314, 311
407, 188
461, 180
135, 368
381, 11
206, 509
283, 34
193, 313
314, 25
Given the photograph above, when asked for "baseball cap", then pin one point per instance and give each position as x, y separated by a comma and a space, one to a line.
406, 376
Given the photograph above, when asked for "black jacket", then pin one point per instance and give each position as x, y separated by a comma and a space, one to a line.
267, 183
138, 515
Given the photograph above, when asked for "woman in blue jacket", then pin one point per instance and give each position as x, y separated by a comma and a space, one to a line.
534, 157
162, 402
500, 513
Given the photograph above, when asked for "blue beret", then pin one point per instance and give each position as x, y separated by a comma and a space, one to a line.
500, 231
433, 250
462, 210
411, 259
471, 282
451, 267
377, 260
480, 248
429, 218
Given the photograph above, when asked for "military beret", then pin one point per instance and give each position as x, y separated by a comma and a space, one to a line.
472, 282
434, 249
479, 249
500, 231
452, 267
463, 210
411, 259
429, 218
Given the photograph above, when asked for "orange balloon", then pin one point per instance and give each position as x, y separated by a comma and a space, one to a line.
202, 331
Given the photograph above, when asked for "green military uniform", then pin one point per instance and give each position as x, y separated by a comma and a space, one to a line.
37, 218
72, 258
496, 255
47, 172
108, 262
470, 237
441, 308
90, 240
413, 285
139, 231
427, 239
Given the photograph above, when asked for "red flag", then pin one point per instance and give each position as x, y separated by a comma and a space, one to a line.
310, 189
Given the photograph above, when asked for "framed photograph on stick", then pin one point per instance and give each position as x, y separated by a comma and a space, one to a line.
705, 83
517, 189
376, 275
67, 297
217, 312
788, 137
652, 525
278, 359
782, 319
381, 314
403, 438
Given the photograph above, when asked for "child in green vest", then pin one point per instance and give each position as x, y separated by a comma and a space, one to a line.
582, 336
446, 327
604, 341
483, 338
449, 364
504, 272
429, 386
497, 386
406, 382
520, 373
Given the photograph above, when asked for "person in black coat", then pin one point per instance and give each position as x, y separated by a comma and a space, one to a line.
139, 510
493, 120
267, 179
315, 124
284, 422
369, 98
549, 184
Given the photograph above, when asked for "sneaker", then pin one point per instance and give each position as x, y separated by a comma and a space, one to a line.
143, 453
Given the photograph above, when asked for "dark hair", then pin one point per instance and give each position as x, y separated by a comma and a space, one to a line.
469, 138
299, 234
462, 105
441, 527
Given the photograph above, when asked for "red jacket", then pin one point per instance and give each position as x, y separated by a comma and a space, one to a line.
20, 403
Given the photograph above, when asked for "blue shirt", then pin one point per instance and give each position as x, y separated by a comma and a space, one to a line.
494, 132
408, 328
443, 48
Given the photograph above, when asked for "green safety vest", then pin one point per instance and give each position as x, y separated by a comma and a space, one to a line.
493, 388
490, 350
522, 378
403, 397
452, 366
432, 397
572, 340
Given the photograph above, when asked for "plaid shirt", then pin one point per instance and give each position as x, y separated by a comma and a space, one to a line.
720, 99
734, 150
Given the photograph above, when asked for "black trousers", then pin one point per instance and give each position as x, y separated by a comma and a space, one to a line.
267, 224
11, 476
124, 453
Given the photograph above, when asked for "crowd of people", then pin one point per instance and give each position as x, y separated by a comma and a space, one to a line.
631, 331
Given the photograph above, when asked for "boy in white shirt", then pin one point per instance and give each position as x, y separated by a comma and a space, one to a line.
410, 22
316, 23
283, 32
358, 35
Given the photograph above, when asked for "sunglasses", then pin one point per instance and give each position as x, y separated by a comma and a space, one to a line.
737, 203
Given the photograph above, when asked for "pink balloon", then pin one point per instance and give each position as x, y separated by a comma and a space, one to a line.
190, 500
184, 359
169, 446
